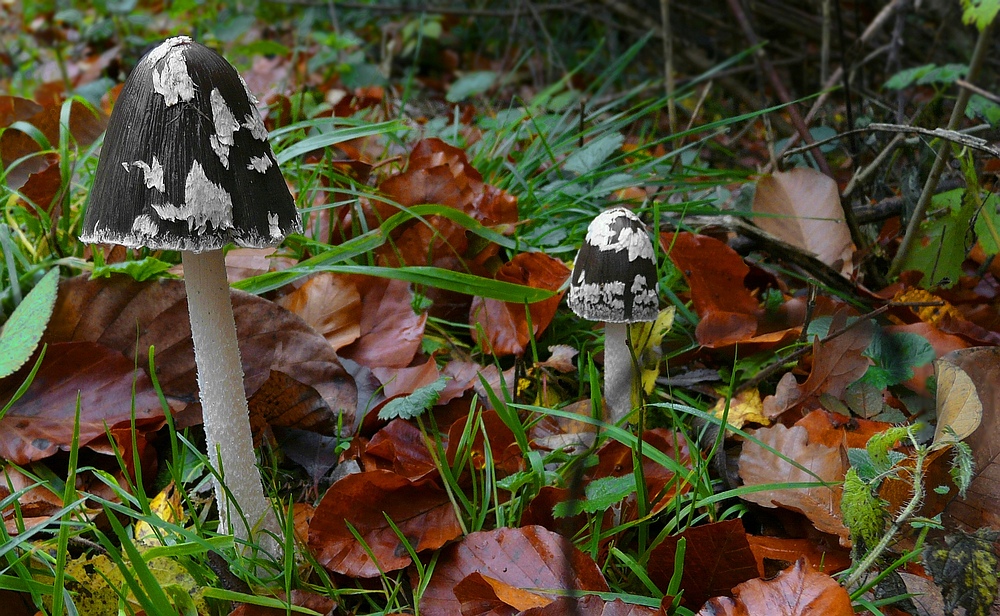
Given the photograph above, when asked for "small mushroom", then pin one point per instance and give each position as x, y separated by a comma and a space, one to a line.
614, 280
186, 165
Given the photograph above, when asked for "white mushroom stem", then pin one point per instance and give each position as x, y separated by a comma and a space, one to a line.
618, 372
224, 407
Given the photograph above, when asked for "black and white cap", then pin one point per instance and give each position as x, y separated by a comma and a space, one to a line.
186, 164
614, 277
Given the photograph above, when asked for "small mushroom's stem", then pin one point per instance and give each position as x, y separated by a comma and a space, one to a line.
617, 372
223, 401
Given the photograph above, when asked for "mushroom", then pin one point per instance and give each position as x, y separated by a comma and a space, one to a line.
614, 280
186, 165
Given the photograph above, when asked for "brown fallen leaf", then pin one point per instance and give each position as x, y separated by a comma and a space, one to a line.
802, 207
820, 503
592, 605
129, 317
836, 364
330, 304
390, 331
505, 324
420, 509
481, 594
401, 448
714, 272
797, 591
105, 386
717, 558
529, 557
981, 505
822, 558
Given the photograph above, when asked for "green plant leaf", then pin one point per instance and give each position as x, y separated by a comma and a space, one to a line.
141, 270
980, 12
24, 329
470, 84
591, 156
415, 404
600, 495
906, 78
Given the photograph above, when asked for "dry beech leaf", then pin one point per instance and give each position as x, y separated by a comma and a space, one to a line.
829, 559
717, 558
591, 605
129, 317
714, 272
821, 504
505, 324
959, 410
981, 505
420, 509
529, 557
401, 448
330, 304
797, 591
802, 207
390, 330
482, 594
101, 380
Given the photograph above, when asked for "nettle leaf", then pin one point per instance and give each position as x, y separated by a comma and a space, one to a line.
141, 270
906, 78
592, 155
979, 12
896, 355
26, 325
415, 404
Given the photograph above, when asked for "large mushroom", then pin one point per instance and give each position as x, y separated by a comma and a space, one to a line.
186, 165
614, 280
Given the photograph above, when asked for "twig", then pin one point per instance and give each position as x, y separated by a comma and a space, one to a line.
957, 113
779, 87
668, 64
861, 175
955, 136
977, 90
893, 206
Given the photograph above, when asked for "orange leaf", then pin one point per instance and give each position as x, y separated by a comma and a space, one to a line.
529, 557
420, 509
797, 591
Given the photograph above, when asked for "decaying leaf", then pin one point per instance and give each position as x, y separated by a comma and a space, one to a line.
959, 409
820, 503
797, 591
717, 558
530, 558
420, 509
802, 207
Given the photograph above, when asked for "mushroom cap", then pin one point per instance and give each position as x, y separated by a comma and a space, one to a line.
614, 276
186, 164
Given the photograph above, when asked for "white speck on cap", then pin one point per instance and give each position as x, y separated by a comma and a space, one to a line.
173, 81
614, 276
204, 202
259, 163
153, 174
225, 126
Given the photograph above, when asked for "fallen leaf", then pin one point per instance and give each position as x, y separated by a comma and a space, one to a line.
102, 383
390, 330
981, 505
717, 558
714, 273
401, 447
797, 591
819, 503
662, 484
482, 594
591, 605
745, 408
529, 557
330, 304
802, 207
821, 558
959, 409
420, 509
505, 324
129, 317
836, 364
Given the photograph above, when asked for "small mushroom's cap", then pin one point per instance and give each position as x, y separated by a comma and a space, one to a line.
614, 277
186, 164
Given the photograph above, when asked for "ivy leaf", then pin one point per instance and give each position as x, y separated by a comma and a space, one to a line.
26, 325
415, 404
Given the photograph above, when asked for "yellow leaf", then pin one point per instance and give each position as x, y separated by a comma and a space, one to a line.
646, 339
958, 405
746, 407
167, 506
